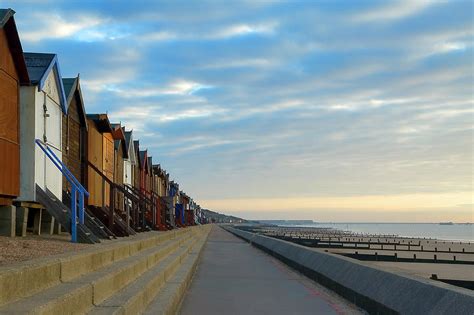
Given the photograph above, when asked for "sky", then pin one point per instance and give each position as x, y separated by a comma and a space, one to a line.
346, 111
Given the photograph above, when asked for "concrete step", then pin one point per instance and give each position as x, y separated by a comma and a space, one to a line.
137, 295
170, 296
79, 295
31, 277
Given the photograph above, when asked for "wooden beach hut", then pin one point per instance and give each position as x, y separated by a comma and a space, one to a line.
185, 211
136, 173
101, 159
149, 187
159, 201
74, 131
13, 73
143, 155
42, 106
121, 153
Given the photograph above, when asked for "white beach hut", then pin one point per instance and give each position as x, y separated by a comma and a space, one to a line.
130, 162
41, 107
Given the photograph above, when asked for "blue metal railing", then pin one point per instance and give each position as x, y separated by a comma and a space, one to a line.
76, 188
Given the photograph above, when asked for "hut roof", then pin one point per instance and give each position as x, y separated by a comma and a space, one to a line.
102, 122
71, 86
7, 23
39, 65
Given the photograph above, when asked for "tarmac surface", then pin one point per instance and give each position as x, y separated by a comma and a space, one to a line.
235, 278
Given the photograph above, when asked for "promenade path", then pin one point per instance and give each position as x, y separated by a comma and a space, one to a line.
235, 278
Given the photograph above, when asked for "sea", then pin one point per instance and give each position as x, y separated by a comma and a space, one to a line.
454, 232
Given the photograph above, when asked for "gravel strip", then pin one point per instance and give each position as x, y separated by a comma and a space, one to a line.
26, 248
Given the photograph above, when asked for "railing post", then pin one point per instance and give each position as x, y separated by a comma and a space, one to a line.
76, 187
111, 207
81, 207
73, 214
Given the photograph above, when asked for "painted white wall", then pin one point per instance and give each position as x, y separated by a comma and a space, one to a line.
129, 163
127, 172
35, 167
49, 175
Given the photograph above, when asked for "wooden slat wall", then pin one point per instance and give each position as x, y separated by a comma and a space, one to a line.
9, 125
94, 182
108, 162
72, 140
119, 166
119, 176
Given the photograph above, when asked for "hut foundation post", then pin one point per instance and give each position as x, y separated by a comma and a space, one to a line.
7, 221
21, 221
57, 228
47, 223
37, 221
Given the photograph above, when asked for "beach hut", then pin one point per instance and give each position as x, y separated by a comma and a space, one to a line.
136, 174
121, 153
101, 158
13, 73
42, 105
129, 162
143, 155
160, 203
185, 210
101, 175
150, 176
74, 133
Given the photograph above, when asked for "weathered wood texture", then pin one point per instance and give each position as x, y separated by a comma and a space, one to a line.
9, 124
119, 165
108, 162
73, 143
119, 176
94, 181
136, 171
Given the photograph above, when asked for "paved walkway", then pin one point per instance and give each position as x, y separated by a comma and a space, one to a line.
235, 278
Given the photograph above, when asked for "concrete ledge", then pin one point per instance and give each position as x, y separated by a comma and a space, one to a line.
79, 295
170, 297
134, 298
377, 291
28, 278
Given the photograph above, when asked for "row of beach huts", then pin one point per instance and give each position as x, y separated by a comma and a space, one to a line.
63, 168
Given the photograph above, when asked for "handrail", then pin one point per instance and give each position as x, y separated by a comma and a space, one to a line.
112, 184
72, 177
130, 195
76, 187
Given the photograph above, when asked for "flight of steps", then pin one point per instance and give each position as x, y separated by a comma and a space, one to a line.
147, 273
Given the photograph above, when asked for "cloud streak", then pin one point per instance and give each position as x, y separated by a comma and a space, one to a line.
321, 105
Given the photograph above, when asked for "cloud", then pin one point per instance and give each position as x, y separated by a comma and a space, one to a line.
393, 11
239, 63
242, 30
159, 36
213, 33
276, 101
55, 26
176, 88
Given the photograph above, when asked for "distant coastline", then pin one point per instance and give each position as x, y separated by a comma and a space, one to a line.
450, 232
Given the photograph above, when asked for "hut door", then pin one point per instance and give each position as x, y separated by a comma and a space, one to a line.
52, 136
108, 163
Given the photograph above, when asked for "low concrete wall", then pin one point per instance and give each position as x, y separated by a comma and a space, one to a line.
29, 277
375, 290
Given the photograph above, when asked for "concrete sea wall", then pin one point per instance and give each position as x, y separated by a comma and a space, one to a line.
375, 290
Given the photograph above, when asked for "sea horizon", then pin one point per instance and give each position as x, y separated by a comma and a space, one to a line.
447, 232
